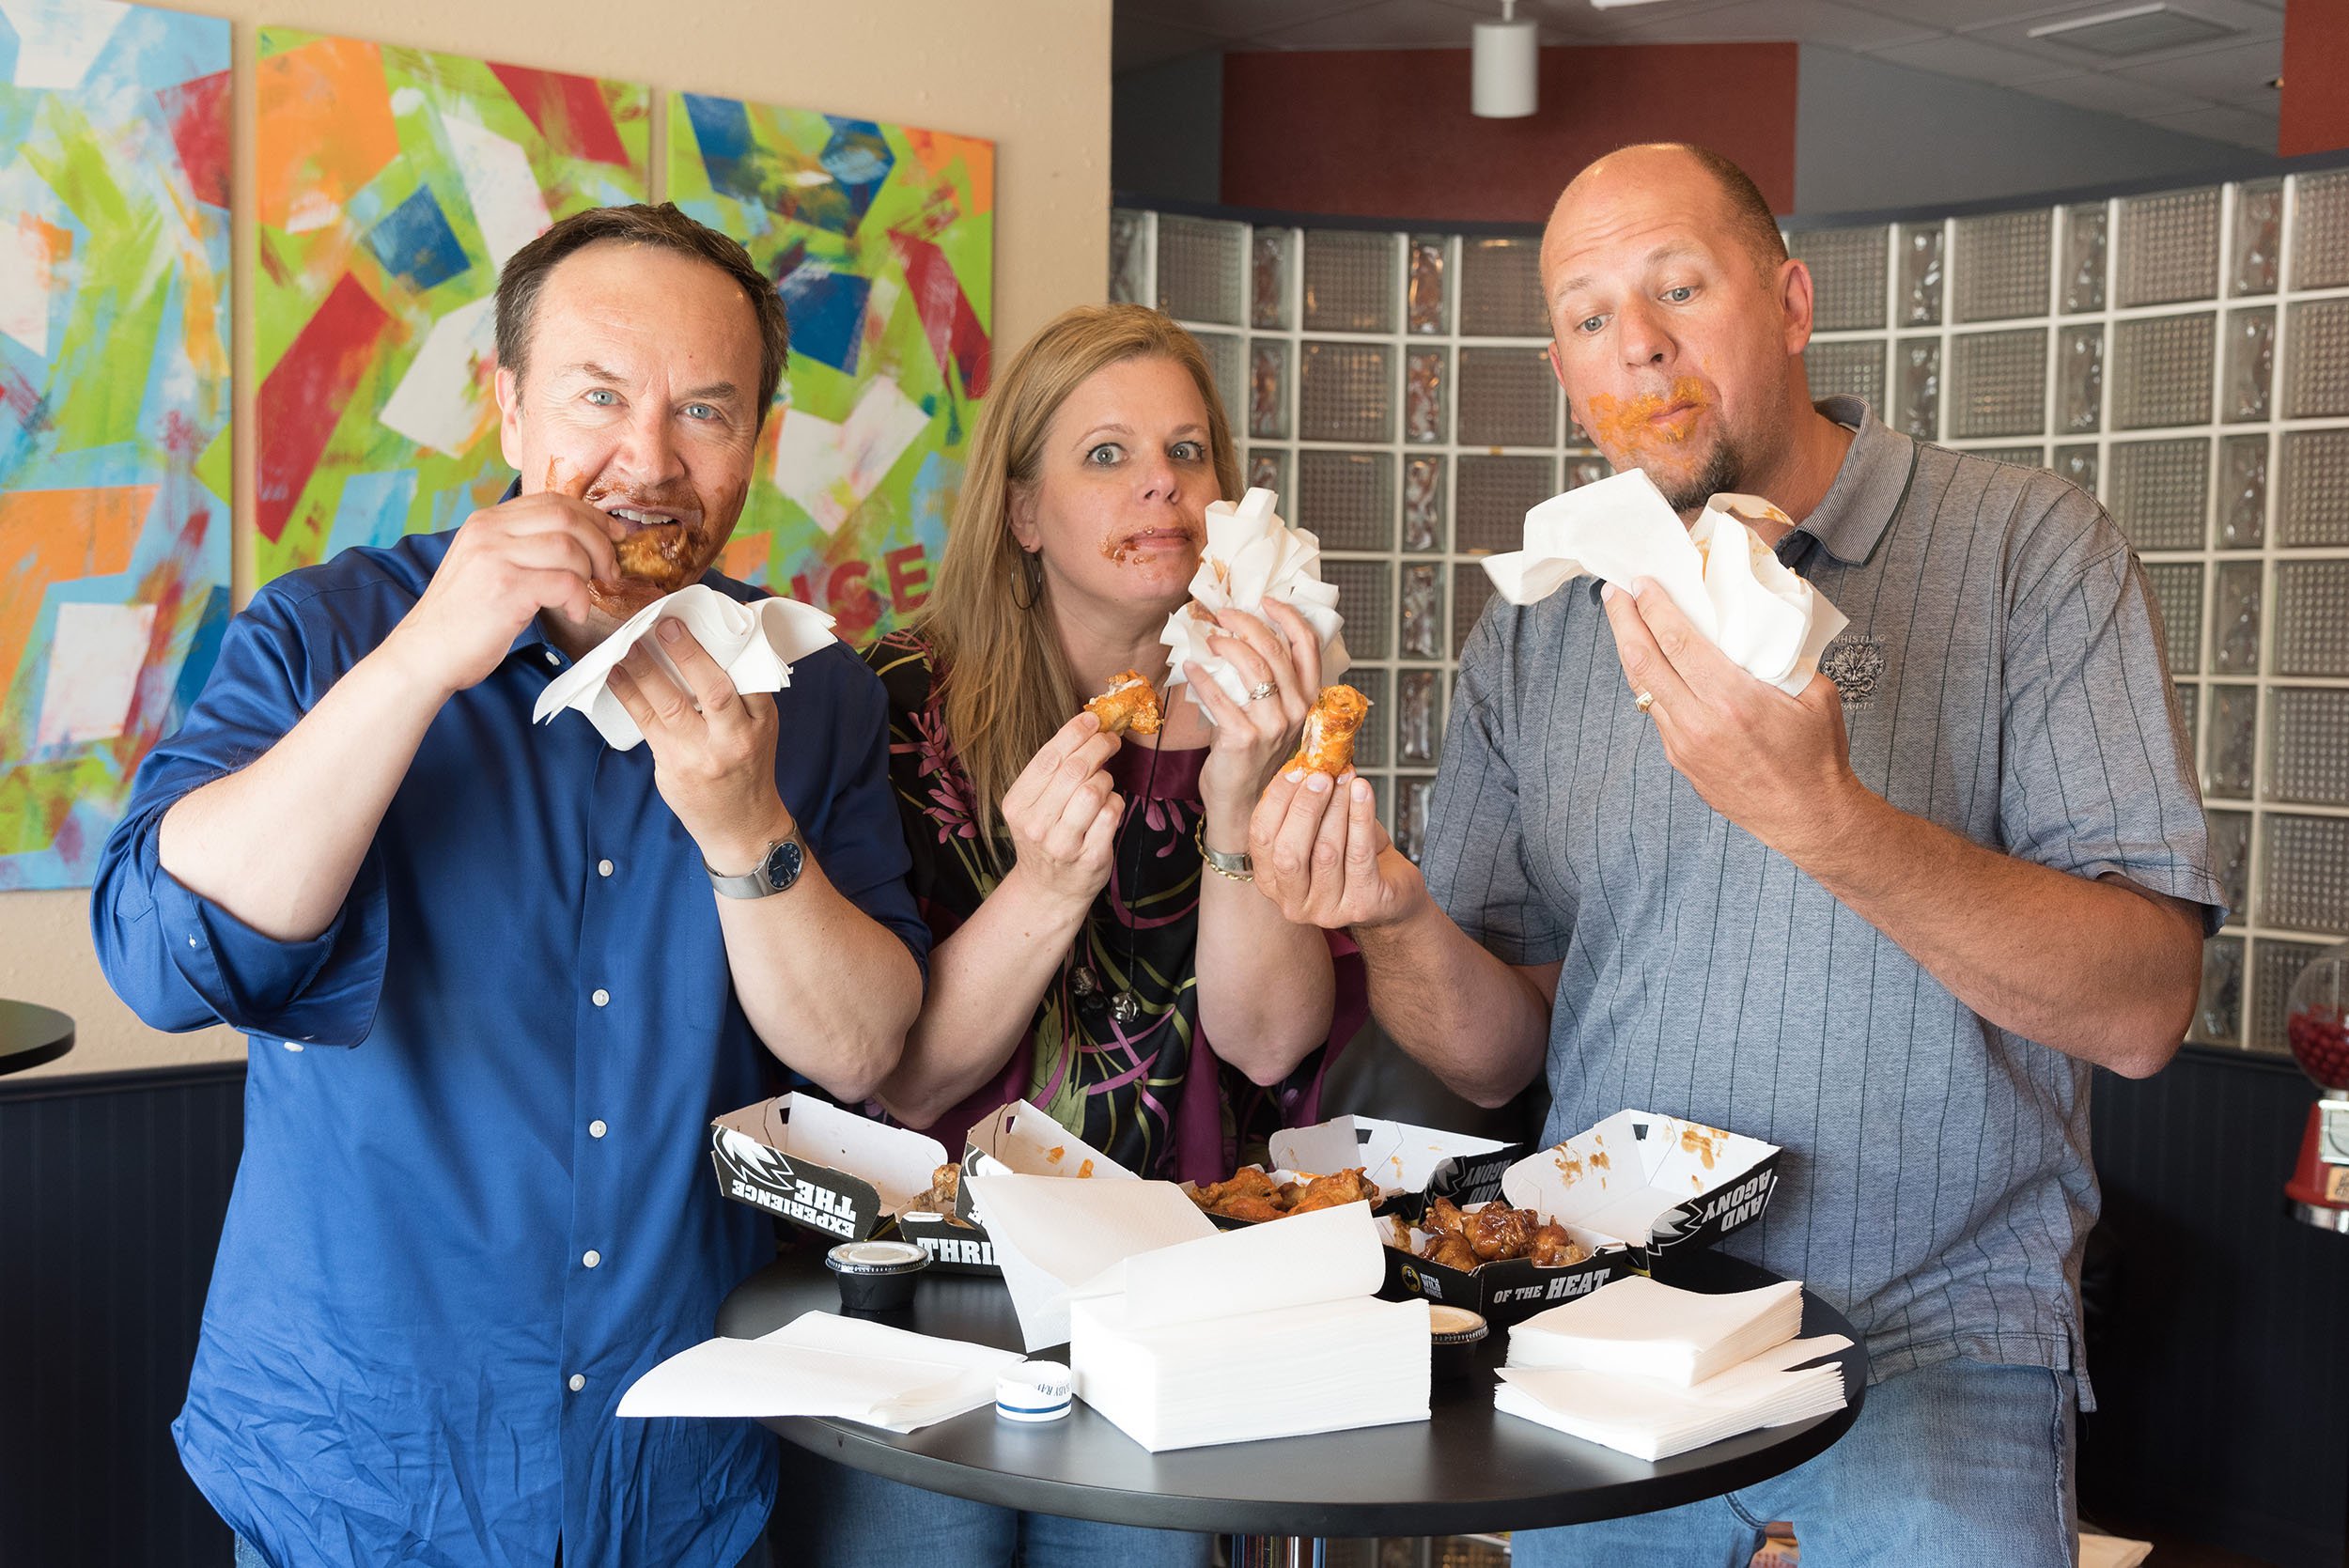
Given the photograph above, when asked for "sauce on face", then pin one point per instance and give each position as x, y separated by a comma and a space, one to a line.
1615, 423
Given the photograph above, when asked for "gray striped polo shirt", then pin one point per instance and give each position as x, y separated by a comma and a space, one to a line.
2003, 675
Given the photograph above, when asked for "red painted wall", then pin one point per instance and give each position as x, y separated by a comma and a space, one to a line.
1388, 132
2315, 107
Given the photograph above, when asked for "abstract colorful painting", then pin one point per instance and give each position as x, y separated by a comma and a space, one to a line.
392, 186
113, 378
881, 241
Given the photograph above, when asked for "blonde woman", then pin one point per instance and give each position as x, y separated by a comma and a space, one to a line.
1087, 957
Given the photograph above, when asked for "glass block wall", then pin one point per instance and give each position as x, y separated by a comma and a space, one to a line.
2185, 355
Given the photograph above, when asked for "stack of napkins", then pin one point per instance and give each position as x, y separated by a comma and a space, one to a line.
1652, 1371
755, 643
1056, 1239
1251, 556
1271, 1331
1640, 1329
823, 1364
1183, 1335
1731, 585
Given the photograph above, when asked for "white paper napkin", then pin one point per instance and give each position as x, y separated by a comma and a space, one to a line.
1638, 1327
1731, 585
1056, 1238
755, 642
1252, 556
823, 1364
1653, 1421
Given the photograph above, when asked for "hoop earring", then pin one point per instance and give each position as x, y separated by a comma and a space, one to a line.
1031, 570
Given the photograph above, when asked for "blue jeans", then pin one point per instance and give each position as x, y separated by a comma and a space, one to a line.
832, 1516
1959, 1464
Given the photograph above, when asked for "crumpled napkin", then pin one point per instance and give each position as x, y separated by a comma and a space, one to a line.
1252, 556
1731, 585
755, 644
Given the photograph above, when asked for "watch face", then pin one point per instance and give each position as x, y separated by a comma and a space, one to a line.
782, 866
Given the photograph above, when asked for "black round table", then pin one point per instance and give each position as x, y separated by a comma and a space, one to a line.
1467, 1471
31, 1034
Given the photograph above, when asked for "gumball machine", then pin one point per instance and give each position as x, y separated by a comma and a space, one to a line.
2317, 1027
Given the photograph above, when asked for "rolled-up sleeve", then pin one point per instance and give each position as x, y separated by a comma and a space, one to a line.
2097, 779
179, 960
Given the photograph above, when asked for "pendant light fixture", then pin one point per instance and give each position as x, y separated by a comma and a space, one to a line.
1506, 62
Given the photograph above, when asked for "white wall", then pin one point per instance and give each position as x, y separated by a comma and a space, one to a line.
1033, 75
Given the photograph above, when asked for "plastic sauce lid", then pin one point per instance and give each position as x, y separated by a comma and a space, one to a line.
1454, 1326
875, 1257
1034, 1391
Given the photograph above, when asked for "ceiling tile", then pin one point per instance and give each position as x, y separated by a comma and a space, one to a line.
1958, 15
2225, 75
2250, 22
1137, 43
2241, 127
2107, 93
1561, 21
1385, 24
1587, 20
1821, 22
1966, 56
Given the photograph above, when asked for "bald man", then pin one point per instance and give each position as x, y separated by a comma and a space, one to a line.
1889, 924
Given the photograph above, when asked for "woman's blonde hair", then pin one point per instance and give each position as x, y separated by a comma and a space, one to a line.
1005, 683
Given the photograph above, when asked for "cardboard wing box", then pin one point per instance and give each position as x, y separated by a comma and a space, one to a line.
819, 1166
1020, 1139
1407, 1164
1628, 1190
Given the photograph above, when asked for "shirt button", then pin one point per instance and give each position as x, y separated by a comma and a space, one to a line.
191, 940
553, 658
591, 1257
603, 868
602, 997
291, 1046
578, 1382
596, 1129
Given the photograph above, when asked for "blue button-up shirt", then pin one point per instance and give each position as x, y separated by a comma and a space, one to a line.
474, 1205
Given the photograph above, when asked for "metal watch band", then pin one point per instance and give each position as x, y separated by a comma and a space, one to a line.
1237, 868
760, 881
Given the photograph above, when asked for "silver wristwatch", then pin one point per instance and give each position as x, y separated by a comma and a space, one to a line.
776, 871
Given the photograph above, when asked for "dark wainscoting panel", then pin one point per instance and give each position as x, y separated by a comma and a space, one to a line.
2219, 1327
113, 1188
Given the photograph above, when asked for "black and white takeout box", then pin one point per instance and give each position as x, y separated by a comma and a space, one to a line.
1020, 1139
1628, 1190
819, 1166
1407, 1164
1419, 1163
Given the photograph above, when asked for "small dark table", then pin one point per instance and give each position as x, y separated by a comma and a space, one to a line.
1467, 1469
31, 1034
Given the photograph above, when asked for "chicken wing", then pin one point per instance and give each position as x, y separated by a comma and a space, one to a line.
1553, 1248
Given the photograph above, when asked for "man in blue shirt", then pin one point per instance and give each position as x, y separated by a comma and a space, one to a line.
493, 993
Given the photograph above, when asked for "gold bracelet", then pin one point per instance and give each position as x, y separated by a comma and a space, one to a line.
1232, 868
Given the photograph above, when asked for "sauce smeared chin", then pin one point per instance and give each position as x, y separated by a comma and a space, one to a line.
1632, 427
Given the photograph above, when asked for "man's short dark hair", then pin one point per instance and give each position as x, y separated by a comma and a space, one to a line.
1749, 212
668, 229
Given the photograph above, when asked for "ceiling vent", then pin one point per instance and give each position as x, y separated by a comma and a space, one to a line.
2131, 30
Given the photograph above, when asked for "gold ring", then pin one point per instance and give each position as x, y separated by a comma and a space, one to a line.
1644, 701
1262, 689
